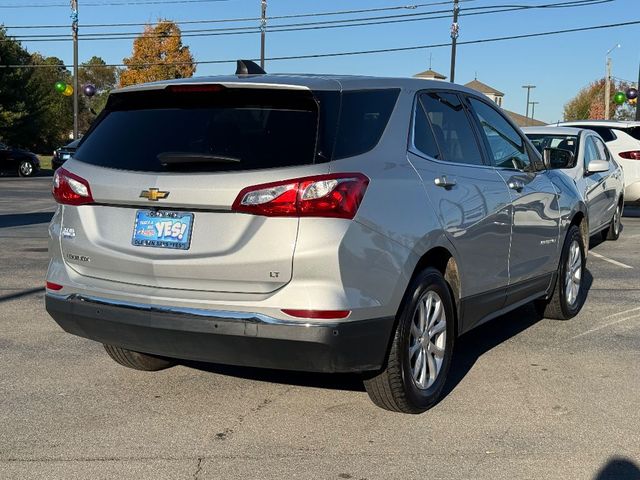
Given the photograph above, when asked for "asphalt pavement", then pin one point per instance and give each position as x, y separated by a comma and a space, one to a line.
528, 398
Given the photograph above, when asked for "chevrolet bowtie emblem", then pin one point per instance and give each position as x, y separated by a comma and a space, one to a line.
153, 194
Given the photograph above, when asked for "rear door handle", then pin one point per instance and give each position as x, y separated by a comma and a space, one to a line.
516, 185
444, 182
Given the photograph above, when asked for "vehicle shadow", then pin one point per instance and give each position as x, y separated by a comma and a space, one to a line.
45, 173
22, 219
470, 347
631, 212
618, 468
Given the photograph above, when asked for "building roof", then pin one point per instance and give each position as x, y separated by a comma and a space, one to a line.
483, 88
430, 74
523, 121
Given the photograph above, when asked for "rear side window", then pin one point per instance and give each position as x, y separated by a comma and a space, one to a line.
204, 131
363, 118
451, 127
606, 133
423, 136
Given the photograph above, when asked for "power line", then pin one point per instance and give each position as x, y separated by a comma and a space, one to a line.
363, 52
378, 20
110, 4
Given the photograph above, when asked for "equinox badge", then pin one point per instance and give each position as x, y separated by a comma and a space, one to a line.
153, 194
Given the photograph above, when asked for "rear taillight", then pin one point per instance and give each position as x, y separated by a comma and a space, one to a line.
70, 189
335, 195
632, 155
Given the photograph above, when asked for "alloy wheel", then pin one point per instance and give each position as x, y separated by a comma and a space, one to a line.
573, 273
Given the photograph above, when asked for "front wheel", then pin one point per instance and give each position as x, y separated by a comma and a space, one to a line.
569, 292
421, 349
26, 168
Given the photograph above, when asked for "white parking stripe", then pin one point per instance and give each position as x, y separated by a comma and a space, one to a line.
615, 262
605, 326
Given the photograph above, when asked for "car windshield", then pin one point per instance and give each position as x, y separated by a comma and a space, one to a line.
548, 140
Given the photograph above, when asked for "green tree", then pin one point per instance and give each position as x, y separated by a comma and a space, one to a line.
96, 72
158, 54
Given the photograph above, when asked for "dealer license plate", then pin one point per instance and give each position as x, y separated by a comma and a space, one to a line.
162, 229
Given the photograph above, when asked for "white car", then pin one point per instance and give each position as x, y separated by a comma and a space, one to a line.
594, 170
623, 140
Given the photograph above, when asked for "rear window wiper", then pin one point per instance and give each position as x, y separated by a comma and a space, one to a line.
177, 158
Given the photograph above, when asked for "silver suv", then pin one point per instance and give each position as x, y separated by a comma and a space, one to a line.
315, 223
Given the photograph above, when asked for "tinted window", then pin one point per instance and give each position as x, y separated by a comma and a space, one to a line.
423, 137
507, 147
363, 117
633, 131
590, 151
604, 132
451, 128
603, 152
203, 131
565, 142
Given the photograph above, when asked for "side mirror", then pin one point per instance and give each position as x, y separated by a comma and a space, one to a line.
557, 158
596, 166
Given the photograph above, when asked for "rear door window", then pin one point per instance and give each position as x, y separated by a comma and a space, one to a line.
204, 131
363, 117
451, 127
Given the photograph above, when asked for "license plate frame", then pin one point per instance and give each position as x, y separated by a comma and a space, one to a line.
146, 232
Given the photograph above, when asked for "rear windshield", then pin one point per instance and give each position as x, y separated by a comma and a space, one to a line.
196, 131
565, 142
234, 129
633, 131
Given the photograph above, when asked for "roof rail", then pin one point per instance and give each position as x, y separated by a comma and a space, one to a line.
247, 67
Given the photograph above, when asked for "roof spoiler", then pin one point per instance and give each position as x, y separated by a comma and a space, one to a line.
247, 67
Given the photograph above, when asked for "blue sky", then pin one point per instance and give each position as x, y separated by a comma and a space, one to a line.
559, 65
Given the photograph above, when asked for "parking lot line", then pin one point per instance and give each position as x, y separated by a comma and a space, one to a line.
624, 319
606, 259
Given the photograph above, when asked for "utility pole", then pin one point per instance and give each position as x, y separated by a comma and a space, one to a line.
533, 110
607, 86
263, 30
455, 29
74, 30
528, 87
637, 105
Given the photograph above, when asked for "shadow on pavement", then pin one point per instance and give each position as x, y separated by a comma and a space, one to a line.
468, 349
23, 293
22, 219
618, 468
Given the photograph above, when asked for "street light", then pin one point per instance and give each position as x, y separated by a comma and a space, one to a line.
607, 86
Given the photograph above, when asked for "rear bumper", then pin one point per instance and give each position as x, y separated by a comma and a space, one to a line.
230, 338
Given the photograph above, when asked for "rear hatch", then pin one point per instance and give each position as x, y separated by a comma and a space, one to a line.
164, 168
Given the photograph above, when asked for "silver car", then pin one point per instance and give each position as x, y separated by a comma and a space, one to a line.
304, 222
597, 175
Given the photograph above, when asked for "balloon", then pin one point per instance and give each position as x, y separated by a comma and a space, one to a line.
68, 91
633, 101
89, 90
60, 86
632, 93
619, 98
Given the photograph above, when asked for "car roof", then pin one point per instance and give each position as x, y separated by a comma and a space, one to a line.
549, 130
292, 81
603, 123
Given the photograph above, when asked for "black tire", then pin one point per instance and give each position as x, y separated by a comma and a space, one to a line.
557, 306
26, 168
394, 388
612, 232
137, 360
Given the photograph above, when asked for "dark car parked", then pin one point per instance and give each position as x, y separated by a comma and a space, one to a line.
16, 160
63, 154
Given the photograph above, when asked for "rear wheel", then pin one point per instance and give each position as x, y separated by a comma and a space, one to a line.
137, 360
26, 168
612, 232
421, 349
569, 292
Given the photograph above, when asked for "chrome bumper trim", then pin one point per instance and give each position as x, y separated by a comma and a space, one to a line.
195, 312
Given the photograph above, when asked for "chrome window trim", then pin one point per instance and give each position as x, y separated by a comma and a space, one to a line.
251, 317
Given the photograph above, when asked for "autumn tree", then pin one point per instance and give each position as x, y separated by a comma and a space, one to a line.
158, 54
589, 102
